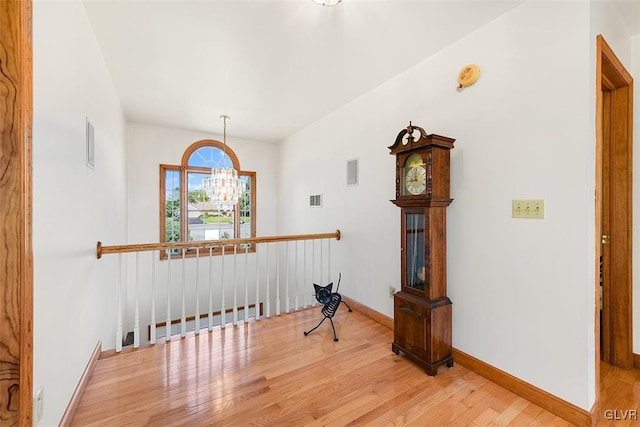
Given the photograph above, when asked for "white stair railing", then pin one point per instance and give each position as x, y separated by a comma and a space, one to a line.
262, 270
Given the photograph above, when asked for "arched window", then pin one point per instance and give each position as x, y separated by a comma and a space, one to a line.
186, 211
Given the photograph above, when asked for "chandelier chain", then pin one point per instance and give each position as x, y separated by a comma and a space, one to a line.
224, 186
224, 118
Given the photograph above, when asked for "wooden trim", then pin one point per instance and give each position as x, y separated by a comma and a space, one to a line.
595, 413
614, 183
254, 209
598, 212
16, 254
102, 250
613, 74
545, 400
369, 312
636, 361
209, 143
70, 412
162, 208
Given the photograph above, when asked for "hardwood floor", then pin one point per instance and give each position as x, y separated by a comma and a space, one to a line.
268, 373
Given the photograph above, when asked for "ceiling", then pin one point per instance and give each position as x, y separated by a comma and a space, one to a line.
273, 66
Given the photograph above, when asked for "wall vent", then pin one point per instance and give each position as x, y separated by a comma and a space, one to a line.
352, 172
91, 145
315, 201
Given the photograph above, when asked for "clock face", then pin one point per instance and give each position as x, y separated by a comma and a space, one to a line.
415, 181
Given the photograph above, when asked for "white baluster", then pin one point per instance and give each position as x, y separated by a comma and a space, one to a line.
267, 297
304, 274
210, 312
277, 279
246, 284
197, 319
295, 277
329, 258
119, 297
313, 268
235, 285
167, 327
286, 271
136, 318
322, 283
152, 337
257, 306
223, 310
183, 317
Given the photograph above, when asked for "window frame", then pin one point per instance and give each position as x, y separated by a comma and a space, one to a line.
183, 170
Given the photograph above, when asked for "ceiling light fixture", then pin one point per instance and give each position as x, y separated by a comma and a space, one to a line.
224, 187
327, 2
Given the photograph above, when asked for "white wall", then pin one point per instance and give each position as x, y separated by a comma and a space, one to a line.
73, 206
522, 290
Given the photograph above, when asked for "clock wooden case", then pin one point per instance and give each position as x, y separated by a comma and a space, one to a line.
422, 310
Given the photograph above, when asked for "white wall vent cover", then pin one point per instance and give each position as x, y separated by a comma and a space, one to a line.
91, 145
352, 172
315, 201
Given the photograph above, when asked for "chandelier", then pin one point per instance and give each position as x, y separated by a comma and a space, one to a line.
224, 187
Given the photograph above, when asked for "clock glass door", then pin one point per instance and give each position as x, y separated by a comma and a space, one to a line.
414, 251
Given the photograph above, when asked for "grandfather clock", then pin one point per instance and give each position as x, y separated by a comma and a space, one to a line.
422, 310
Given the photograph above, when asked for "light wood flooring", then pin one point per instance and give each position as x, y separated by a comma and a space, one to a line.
268, 373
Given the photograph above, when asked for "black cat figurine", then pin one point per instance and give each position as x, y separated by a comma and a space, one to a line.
330, 301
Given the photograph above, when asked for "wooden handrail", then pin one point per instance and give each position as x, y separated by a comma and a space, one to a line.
142, 247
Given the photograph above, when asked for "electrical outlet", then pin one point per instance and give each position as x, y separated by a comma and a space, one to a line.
531, 209
38, 405
392, 291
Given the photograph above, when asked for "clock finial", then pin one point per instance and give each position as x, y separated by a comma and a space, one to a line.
410, 132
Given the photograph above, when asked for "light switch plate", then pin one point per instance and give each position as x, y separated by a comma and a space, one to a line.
530, 209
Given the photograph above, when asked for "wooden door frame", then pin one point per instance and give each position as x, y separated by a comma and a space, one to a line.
614, 141
16, 259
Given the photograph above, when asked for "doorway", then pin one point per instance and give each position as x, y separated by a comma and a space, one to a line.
614, 130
